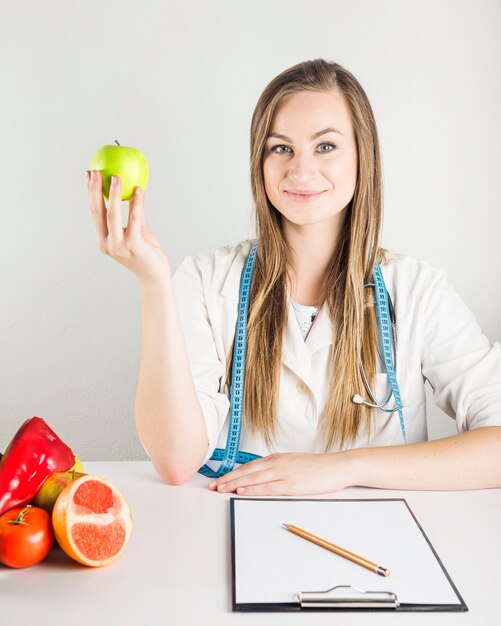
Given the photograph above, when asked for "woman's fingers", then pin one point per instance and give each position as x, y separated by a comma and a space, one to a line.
114, 215
273, 488
135, 247
243, 470
249, 471
250, 480
136, 219
97, 207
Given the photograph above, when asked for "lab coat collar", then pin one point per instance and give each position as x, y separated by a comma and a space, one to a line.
231, 285
297, 352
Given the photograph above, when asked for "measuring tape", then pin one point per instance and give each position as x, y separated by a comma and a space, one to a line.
385, 339
231, 454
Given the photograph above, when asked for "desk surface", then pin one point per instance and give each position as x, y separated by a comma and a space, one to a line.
177, 568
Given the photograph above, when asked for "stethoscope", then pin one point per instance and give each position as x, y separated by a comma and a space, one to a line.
374, 403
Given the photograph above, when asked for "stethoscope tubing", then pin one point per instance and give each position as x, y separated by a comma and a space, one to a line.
375, 404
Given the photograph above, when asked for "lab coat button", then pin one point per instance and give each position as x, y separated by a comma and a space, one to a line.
302, 387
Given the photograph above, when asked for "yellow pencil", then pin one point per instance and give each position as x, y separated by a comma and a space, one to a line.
351, 556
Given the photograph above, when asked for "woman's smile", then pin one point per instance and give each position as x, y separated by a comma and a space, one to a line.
303, 196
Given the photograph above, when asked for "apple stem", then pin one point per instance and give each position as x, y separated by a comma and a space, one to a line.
20, 517
117, 142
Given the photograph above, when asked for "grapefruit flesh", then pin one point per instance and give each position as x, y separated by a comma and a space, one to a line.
92, 521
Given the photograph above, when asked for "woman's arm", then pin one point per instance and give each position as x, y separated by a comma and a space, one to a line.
169, 417
470, 460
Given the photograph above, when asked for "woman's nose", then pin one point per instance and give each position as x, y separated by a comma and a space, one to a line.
301, 168
302, 176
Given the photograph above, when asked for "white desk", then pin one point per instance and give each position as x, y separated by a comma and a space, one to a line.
176, 569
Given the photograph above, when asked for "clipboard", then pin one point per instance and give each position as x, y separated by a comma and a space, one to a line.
274, 570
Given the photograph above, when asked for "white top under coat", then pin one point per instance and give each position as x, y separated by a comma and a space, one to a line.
305, 316
438, 340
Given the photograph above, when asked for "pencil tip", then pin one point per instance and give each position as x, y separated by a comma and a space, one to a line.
285, 525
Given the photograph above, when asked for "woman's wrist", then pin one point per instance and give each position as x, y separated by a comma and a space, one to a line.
354, 463
157, 286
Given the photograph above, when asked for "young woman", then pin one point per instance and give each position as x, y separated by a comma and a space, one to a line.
317, 403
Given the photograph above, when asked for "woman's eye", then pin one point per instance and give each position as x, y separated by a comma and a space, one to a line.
331, 147
281, 149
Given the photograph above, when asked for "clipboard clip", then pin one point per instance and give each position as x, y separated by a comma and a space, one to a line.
347, 597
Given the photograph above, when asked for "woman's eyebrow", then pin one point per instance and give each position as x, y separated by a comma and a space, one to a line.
315, 136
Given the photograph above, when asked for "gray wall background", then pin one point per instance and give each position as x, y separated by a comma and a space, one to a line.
179, 80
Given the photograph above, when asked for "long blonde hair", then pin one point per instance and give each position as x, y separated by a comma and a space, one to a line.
353, 319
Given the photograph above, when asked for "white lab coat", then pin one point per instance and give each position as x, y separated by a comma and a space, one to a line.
438, 340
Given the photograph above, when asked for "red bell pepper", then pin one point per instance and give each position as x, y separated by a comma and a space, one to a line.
31, 457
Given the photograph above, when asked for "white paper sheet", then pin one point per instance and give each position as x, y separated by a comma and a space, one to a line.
272, 564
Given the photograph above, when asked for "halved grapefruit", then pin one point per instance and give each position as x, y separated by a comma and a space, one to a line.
92, 521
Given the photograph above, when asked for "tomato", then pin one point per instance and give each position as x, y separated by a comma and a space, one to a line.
26, 536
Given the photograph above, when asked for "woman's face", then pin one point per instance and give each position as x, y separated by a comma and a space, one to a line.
310, 161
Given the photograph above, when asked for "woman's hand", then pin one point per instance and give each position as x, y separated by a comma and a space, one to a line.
289, 474
135, 246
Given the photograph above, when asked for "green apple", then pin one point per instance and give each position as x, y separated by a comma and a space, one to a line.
48, 493
128, 163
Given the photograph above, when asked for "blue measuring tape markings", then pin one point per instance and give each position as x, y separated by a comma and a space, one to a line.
231, 454
385, 339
